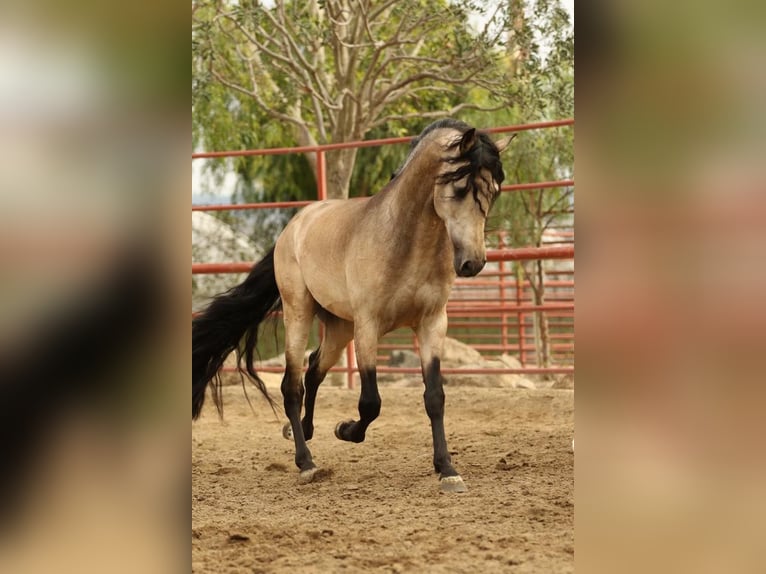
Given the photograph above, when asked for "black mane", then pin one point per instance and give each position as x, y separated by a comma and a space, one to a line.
482, 155
451, 123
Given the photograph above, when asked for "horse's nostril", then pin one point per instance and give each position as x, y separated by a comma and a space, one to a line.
470, 268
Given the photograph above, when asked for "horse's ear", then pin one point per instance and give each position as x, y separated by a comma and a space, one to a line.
468, 140
502, 144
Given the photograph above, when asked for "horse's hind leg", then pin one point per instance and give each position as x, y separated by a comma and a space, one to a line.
431, 333
337, 335
298, 308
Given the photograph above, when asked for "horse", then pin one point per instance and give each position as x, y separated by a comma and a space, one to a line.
364, 267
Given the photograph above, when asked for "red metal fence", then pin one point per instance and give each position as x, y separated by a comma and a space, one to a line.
492, 312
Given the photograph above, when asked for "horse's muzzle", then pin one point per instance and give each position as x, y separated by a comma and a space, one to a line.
469, 267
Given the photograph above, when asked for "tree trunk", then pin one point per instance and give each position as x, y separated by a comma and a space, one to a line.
339, 167
544, 346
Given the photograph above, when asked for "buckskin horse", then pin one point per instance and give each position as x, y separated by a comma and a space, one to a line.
364, 266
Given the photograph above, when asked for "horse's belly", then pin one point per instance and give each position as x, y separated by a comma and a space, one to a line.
331, 294
337, 307
340, 309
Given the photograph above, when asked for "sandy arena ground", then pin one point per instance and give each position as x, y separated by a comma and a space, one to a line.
377, 506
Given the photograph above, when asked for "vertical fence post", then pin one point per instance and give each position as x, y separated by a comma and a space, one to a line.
321, 176
522, 352
502, 278
350, 361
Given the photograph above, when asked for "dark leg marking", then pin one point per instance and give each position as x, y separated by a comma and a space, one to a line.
434, 402
292, 391
313, 379
369, 409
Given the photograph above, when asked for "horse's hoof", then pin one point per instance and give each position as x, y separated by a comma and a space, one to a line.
287, 431
338, 426
452, 484
307, 476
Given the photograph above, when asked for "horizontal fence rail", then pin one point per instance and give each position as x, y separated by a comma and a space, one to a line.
525, 253
367, 143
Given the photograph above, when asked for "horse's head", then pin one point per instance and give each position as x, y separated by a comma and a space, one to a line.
465, 190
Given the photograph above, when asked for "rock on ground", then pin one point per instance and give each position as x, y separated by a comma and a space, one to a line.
456, 355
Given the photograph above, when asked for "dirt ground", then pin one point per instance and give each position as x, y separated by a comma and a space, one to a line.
377, 505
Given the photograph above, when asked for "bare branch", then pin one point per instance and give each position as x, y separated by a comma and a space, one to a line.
395, 91
300, 64
433, 114
381, 9
551, 209
289, 67
532, 280
253, 94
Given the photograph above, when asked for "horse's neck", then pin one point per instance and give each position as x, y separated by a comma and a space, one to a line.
412, 196
409, 208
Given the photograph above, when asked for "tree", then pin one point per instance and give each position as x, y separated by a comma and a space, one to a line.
541, 44
335, 70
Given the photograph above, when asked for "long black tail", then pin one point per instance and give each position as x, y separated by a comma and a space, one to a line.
231, 317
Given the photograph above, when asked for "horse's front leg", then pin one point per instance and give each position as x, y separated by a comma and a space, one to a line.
366, 341
431, 333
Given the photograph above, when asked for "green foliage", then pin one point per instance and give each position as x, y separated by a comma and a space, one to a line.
250, 89
543, 39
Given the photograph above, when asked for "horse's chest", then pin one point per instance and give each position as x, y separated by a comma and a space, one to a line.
415, 299
428, 296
